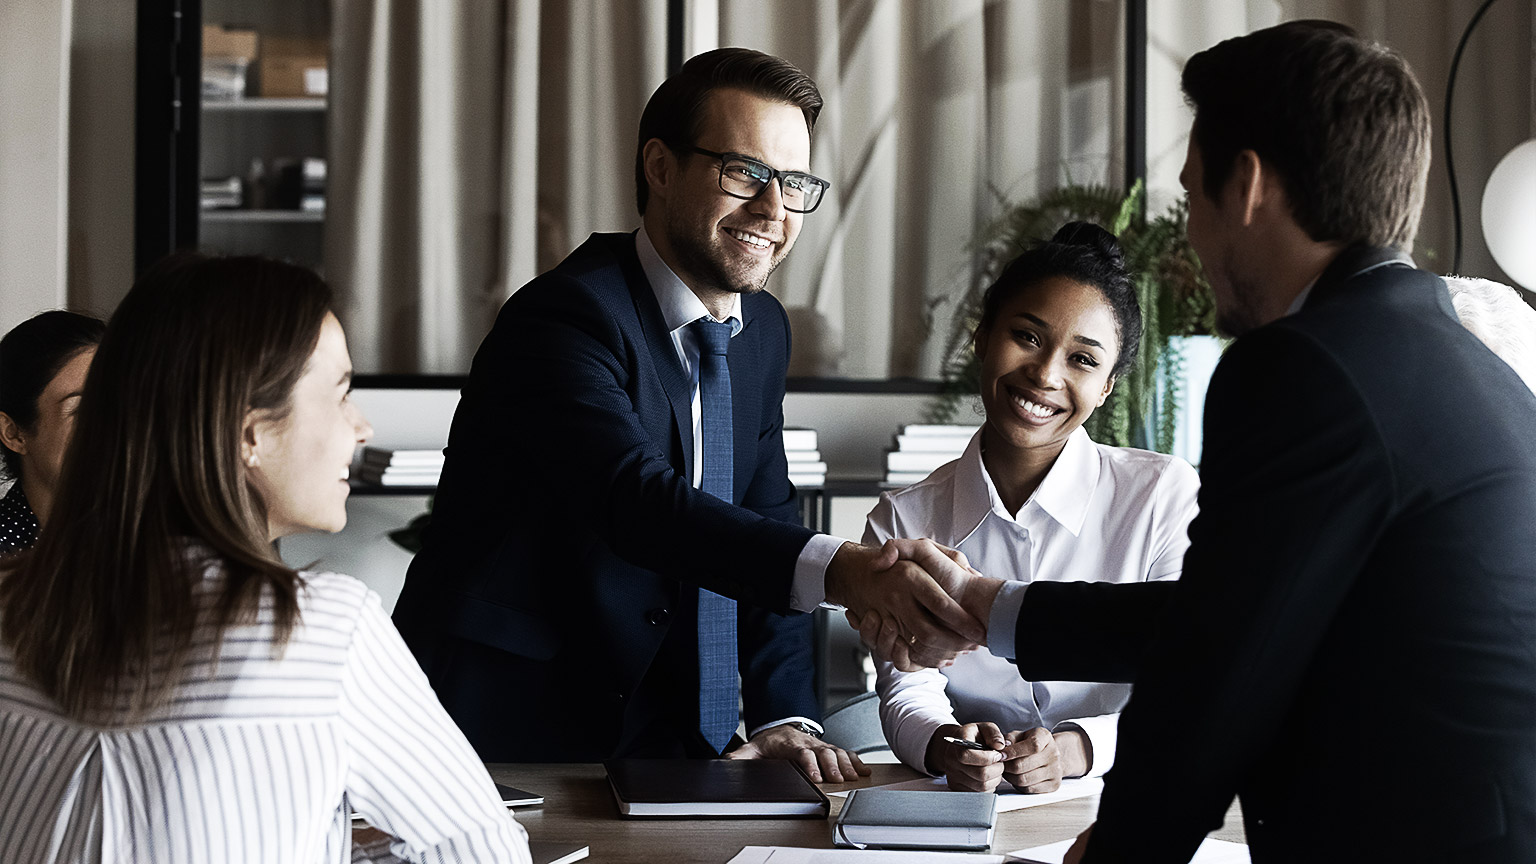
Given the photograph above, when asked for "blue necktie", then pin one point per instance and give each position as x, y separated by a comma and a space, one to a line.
717, 615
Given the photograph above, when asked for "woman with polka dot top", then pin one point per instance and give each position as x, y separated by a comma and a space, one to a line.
43, 362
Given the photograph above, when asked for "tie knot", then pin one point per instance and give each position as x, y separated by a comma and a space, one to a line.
714, 336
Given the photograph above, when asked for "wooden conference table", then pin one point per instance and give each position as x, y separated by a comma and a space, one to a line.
579, 808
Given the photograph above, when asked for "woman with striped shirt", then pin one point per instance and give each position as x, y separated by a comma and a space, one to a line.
170, 690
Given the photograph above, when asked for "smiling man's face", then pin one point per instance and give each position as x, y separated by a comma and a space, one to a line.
723, 243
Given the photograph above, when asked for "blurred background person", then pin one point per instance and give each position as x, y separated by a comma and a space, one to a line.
1495, 314
43, 362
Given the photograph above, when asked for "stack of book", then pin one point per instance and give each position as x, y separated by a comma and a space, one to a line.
805, 465
221, 193
383, 467
922, 448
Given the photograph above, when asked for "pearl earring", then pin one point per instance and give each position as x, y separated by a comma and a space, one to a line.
250, 461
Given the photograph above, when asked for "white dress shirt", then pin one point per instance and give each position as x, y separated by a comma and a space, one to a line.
1105, 514
679, 308
258, 755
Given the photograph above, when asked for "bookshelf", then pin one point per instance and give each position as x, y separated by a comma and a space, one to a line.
262, 147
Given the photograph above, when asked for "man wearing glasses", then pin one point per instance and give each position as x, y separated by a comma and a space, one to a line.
615, 536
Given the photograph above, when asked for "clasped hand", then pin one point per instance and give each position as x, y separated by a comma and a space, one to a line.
914, 602
1033, 760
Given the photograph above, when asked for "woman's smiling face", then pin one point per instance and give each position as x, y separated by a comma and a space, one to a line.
1046, 363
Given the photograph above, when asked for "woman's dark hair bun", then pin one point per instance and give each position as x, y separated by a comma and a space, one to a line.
1094, 237
1082, 252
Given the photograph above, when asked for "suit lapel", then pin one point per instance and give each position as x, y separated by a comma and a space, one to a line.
658, 342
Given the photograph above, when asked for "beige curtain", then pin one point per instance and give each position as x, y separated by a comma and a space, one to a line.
476, 142
937, 113
473, 144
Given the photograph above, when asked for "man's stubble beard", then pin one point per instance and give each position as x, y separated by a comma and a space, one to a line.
695, 259
1241, 313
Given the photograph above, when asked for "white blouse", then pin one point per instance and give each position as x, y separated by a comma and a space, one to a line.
255, 758
1105, 514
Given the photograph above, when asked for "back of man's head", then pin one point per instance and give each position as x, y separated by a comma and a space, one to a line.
1341, 120
676, 108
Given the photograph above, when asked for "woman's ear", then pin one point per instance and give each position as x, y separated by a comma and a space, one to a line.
250, 440
10, 434
979, 342
1109, 387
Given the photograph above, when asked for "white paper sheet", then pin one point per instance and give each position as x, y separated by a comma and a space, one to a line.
1007, 798
1210, 852
791, 855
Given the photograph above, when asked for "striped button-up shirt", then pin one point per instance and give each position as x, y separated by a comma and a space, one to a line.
258, 756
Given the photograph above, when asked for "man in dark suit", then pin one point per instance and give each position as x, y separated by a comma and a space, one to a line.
1352, 648
615, 534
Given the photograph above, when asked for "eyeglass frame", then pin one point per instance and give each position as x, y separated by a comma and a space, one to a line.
773, 174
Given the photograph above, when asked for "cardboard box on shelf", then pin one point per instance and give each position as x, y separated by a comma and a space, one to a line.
221, 41
293, 66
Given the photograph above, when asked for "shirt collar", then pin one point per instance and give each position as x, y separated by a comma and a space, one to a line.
679, 305
1064, 494
1352, 262
1301, 299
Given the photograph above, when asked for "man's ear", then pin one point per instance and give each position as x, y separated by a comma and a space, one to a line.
660, 167
1109, 387
1250, 182
10, 434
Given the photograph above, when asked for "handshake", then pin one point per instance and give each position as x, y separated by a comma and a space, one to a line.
914, 602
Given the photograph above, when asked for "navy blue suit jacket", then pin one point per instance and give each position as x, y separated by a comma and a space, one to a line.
1352, 647
566, 540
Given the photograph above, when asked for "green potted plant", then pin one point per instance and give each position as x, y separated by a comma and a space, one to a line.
1176, 302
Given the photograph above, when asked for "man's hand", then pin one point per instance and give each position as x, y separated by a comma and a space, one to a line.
919, 604
968, 770
884, 635
822, 762
1037, 760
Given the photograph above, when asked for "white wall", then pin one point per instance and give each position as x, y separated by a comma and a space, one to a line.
101, 116
34, 121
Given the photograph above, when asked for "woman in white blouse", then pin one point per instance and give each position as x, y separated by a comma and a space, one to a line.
169, 689
1034, 498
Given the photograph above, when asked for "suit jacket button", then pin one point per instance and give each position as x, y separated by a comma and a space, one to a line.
658, 616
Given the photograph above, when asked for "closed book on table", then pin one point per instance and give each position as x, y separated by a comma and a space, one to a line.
721, 788
908, 819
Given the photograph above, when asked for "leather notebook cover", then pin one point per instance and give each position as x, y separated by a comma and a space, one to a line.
728, 788
909, 819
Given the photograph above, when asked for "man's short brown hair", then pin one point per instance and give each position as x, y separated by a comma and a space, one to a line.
676, 108
1341, 119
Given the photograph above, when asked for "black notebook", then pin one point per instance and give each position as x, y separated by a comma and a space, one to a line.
909, 819
724, 788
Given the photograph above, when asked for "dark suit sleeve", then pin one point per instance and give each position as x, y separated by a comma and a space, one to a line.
1296, 484
555, 382
777, 674
1088, 631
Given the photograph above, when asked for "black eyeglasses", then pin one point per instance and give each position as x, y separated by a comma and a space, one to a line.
746, 178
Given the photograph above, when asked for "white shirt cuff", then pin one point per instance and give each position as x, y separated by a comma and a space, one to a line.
1102, 733
787, 720
1004, 620
810, 586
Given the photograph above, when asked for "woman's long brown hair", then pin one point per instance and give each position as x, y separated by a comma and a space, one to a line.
101, 614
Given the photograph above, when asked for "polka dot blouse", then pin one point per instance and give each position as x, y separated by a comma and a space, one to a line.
18, 524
